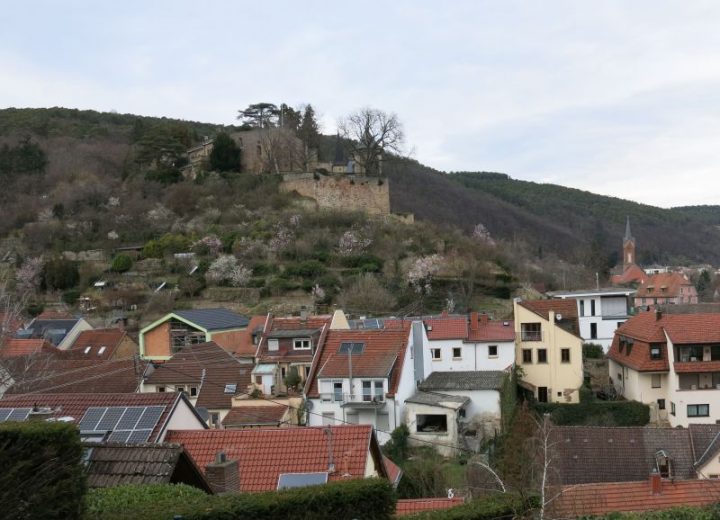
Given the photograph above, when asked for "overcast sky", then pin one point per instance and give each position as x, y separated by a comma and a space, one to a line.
616, 97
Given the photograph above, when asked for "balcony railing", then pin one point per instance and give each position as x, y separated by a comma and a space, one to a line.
362, 399
531, 335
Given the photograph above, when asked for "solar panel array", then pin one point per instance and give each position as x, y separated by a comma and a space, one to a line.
353, 348
14, 414
126, 424
294, 480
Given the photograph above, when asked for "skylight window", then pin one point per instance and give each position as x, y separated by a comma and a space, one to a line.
230, 388
102, 349
353, 348
87, 350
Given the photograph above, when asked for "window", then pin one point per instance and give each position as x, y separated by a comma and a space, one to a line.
457, 352
435, 354
214, 419
565, 355
655, 351
230, 388
619, 324
592, 307
87, 350
193, 391
426, 423
530, 332
689, 381
258, 380
527, 355
698, 410
338, 391
672, 408
101, 351
492, 351
301, 344
179, 388
372, 391
593, 330
160, 388
619, 376
690, 353
582, 307
382, 422
328, 418
661, 404
273, 344
543, 394
655, 380
542, 355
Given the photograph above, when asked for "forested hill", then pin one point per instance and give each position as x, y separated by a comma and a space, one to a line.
571, 222
92, 157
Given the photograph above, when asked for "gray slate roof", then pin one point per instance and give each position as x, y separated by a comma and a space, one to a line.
705, 441
588, 454
214, 319
52, 330
437, 399
481, 380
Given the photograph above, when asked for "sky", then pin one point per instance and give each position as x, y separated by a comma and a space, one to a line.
615, 97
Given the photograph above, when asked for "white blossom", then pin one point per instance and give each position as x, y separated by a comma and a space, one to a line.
226, 269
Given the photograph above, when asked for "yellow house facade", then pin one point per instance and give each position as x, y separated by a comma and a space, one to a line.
548, 349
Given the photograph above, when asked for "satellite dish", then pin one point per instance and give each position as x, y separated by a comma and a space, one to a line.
309, 405
558, 317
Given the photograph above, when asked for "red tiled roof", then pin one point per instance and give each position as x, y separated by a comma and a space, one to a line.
459, 327
409, 506
493, 331
264, 453
267, 415
208, 366
633, 274
455, 327
697, 366
384, 352
393, 470
599, 499
639, 356
95, 339
299, 323
75, 405
568, 308
245, 346
672, 282
50, 374
692, 328
15, 347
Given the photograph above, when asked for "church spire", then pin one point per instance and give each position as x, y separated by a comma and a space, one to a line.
628, 235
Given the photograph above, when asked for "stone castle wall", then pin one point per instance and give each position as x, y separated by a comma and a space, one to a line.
346, 192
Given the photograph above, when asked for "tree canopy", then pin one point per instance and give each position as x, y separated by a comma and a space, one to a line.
225, 155
371, 133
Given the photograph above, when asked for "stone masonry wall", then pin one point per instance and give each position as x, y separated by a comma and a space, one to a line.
347, 192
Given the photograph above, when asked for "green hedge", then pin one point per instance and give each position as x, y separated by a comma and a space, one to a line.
600, 413
677, 513
354, 499
41, 472
496, 507
146, 502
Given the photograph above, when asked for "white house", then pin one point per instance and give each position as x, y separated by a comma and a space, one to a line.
600, 312
672, 363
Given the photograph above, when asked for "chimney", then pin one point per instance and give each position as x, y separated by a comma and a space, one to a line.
655, 482
223, 475
474, 321
484, 318
40, 413
658, 314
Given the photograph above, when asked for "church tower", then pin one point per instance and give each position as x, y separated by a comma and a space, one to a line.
628, 247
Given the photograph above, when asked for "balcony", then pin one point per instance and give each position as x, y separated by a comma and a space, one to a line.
355, 400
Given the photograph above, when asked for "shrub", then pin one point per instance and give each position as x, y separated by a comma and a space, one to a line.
306, 269
592, 351
494, 507
148, 502
599, 413
60, 274
34, 309
121, 263
42, 476
70, 297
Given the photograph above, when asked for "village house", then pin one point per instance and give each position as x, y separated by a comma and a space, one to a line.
363, 377
61, 331
110, 343
164, 337
672, 363
666, 288
549, 349
207, 374
288, 344
600, 312
126, 418
256, 460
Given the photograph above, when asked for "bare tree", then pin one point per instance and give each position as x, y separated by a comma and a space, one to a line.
371, 133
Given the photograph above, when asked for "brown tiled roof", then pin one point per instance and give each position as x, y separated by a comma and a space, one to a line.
586, 454
451, 327
633, 274
457, 327
410, 506
208, 366
493, 331
299, 323
671, 282
602, 498
705, 442
111, 465
75, 405
15, 347
264, 453
383, 354
96, 339
51, 374
244, 416
566, 308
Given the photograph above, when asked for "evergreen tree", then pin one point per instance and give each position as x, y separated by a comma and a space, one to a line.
308, 132
225, 155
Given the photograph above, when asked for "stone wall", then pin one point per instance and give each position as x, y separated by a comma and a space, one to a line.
345, 192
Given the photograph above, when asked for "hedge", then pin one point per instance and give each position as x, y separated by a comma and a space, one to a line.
146, 502
353, 499
600, 413
41, 472
495, 507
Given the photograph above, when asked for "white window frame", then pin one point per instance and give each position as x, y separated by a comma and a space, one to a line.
305, 344
438, 351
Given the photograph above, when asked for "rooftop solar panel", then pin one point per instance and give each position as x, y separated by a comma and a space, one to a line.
150, 417
294, 480
14, 414
130, 418
354, 348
